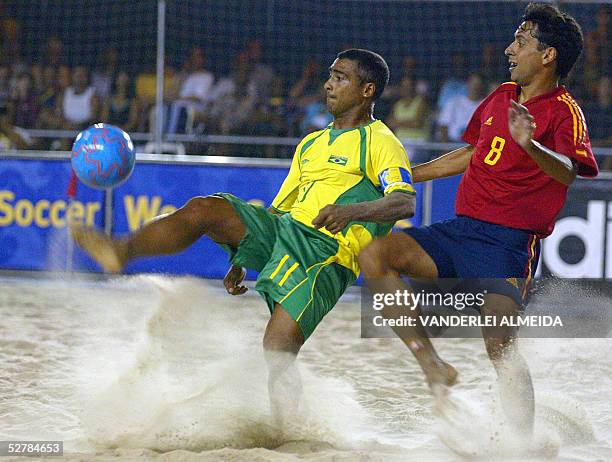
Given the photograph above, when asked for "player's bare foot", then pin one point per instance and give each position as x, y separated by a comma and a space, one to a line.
442, 374
109, 253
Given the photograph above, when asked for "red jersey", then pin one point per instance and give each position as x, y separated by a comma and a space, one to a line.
503, 184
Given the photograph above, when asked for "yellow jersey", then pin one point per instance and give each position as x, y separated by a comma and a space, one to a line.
345, 166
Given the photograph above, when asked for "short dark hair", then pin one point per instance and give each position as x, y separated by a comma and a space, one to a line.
371, 68
559, 30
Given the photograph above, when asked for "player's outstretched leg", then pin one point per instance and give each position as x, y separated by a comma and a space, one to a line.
282, 342
513, 375
212, 216
382, 262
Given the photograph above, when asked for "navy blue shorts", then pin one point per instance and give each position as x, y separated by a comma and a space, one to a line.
489, 257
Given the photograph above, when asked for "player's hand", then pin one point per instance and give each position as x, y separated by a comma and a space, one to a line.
334, 218
233, 279
521, 124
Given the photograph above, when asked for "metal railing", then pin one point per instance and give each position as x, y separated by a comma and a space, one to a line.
410, 145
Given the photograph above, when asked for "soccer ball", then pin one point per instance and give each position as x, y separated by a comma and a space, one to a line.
103, 156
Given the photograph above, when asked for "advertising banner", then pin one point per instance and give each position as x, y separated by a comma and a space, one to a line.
35, 210
581, 244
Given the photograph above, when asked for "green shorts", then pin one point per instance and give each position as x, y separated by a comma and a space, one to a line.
296, 264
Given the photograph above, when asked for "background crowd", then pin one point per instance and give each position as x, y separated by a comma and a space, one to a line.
256, 99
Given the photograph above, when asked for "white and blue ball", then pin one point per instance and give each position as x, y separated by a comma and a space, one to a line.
103, 156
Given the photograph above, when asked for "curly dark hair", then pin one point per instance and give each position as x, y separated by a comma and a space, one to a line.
371, 68
556, 29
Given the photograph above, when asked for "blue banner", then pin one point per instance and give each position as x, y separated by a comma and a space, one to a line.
35, 210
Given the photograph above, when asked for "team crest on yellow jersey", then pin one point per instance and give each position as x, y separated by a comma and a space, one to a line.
338, 160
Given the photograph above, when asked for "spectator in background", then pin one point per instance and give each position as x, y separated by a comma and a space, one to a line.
308, 88
36, 71
456, 114
491, 65
53, 52
268, 119
305, 91
146, 91
79, 104
454, 85
591, 70
261, 75
599, 114
5, 85
24, 106
602, 38
50, 116
393, 92
409, 115
121, 108
316, 115
106, 68
195, 90
47, 88
11, 137
9, 45
230, 103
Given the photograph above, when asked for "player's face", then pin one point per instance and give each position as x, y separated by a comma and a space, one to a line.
524, 57
343, 89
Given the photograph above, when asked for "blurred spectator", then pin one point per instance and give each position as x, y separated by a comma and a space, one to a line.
409, 115
305, 91
53, 52
5, 85
11, 137
106, 68
408, 72
36, 71
492, 65
316, 115
146, 92
80, 103
47, 88
9, 45
195, 90
454, 85
599, 114
591, 70
457, 112
308, 88
50, 116
229, 94
23, 104
122, 107
261, 75
602, 38
268, 119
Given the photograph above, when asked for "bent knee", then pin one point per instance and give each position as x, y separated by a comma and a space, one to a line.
282, 343
372, 259
397, 253
205, 211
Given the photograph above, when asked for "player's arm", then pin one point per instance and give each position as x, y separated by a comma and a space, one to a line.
457, 161
395, 206
389, 170
522, 127
449, 164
